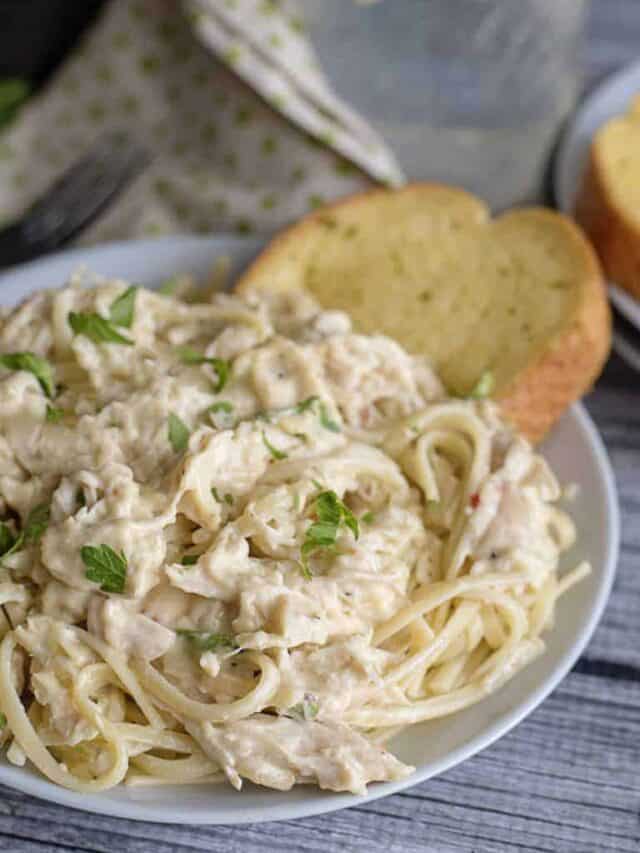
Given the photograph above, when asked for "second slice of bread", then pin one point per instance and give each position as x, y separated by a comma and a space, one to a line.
608, 205
521, 295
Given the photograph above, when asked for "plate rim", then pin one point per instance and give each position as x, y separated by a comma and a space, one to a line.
328, 802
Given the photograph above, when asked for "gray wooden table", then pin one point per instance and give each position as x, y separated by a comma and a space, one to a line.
567, 780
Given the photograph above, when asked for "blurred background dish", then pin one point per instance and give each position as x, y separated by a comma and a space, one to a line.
609, 99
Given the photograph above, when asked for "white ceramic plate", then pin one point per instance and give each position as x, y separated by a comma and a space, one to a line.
576, 453
609, 99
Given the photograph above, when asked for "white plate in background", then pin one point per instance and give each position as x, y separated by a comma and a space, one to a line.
576, 453
609, 99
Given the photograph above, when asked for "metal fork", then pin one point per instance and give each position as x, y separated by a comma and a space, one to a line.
74, 200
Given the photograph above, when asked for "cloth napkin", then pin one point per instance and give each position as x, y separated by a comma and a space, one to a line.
224, 159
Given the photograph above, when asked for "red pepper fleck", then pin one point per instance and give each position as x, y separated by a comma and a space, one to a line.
474, 500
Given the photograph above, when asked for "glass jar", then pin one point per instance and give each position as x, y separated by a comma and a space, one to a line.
471, 92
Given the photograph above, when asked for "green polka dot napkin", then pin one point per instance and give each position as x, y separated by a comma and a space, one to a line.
223, 157
264, 42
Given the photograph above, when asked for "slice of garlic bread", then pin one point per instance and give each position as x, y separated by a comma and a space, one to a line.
521, 295
608, 205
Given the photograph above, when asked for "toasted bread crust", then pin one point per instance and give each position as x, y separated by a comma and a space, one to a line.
539, 395
615, 237
569, 364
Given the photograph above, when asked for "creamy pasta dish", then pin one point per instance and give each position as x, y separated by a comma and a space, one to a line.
240, 541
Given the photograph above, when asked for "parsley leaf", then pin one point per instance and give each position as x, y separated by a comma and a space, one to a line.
368, 517
53, 414
277, 454
305, 710
7, 538
189, 560
32, 363
306, 405
221, 414
331, 512
228, 498
205, 641
96, 328
222, 368
221, 406
35, 525
3, 720
327, 421
121, 311
169, 286
483, 387
178, 433
105, 567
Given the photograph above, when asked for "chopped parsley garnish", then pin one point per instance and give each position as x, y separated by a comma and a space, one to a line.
483, 387
97, 329
221, 406
188, 355
189, 559
221, 414
222, 368
331, 513
3, 720
121, 311
7, 538
228, 498
35, 525
205, 641
32, 363
306, 405
305, 710
178, 433
54, 414
327, 421
277, 454
105, 567
368, 517
170, 285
